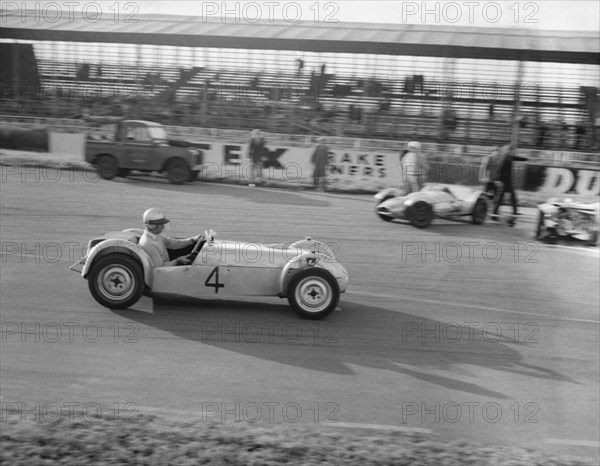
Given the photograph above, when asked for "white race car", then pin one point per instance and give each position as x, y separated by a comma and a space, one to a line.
306, 272
434, 200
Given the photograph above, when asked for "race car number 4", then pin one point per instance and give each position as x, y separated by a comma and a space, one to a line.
214, 275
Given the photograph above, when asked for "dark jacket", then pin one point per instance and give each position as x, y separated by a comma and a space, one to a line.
257, 149
320, 158
506, 168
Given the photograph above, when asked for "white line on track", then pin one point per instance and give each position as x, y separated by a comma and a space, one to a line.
358, 425
473, 306
573, 442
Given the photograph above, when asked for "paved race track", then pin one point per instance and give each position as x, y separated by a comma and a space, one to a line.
459, 331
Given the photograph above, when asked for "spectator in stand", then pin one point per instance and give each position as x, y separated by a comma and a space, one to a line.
320, 161
355, 113
580, 131
541, 133
448, 124
505, 178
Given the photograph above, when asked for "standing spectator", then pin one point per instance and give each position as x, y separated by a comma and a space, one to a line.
489, 172
505, 178
413, 167
320, 160
256, 150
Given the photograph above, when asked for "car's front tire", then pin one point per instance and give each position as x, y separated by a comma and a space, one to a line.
420, 214
480, 211
313, 293
116, 281
178, 172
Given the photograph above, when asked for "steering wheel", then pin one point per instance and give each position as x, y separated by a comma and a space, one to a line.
209, 236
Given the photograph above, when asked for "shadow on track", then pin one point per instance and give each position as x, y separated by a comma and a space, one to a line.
359, 335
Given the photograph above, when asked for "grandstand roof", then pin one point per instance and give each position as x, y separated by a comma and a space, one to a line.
388, 39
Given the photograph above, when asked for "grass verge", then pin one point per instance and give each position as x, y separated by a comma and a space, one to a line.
151, 440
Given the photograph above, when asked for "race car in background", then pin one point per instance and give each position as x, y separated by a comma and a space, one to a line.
563, 218
434, 200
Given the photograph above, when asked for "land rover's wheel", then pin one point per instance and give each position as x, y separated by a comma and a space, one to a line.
420, 214
107, 167
178, 172
313, 293
479, 211
116, 281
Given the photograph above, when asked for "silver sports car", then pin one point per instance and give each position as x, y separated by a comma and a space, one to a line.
306, 272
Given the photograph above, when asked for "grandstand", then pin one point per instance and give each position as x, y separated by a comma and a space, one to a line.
398, 82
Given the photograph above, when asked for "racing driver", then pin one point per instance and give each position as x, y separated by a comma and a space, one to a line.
156, 244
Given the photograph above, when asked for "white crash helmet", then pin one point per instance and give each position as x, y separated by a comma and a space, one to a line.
414, 145
155, 217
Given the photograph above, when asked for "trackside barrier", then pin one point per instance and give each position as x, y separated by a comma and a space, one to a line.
355, 167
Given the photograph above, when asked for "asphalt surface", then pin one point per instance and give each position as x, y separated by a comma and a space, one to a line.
457, 331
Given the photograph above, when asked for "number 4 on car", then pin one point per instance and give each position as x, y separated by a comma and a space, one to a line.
306, 272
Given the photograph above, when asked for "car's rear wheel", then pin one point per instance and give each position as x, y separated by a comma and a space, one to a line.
116, 281
178, 172
313, 293
420, 214
480, 211
108, 167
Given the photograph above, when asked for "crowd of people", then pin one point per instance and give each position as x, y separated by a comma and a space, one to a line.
381, 118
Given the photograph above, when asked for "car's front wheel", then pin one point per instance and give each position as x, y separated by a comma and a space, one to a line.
116, 282
479, 211
420, 214
313, 293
